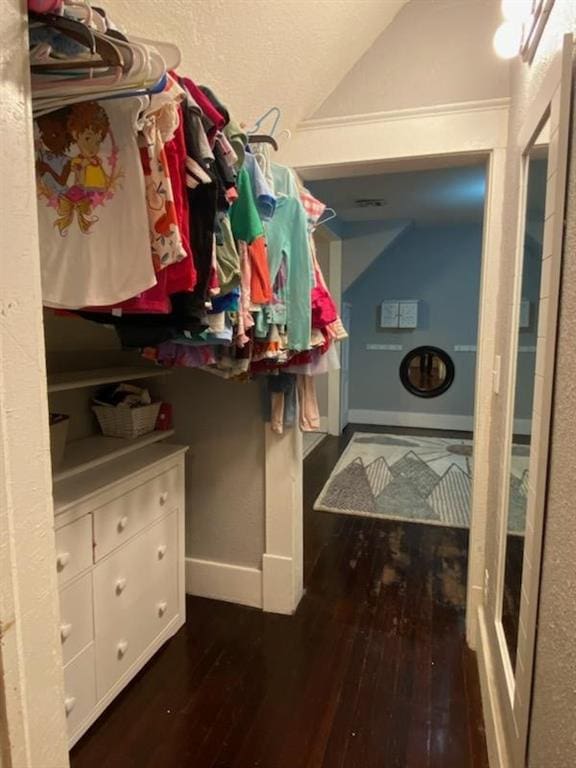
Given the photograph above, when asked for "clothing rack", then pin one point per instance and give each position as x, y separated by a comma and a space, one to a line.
198, 251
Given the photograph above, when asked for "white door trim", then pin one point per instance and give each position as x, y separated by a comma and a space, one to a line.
484, 386
283, 560
345, 146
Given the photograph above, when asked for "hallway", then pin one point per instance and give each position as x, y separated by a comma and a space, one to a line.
372, 671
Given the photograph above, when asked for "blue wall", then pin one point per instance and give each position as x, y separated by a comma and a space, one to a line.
440, 266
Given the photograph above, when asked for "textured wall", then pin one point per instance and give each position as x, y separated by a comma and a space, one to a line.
526, 82
257, 53
222, 423
418, 60
31, 656
440, 266
553, 732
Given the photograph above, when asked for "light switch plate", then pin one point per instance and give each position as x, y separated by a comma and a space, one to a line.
389, 314
408, 314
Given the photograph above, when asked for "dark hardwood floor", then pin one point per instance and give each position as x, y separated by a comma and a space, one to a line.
371, 672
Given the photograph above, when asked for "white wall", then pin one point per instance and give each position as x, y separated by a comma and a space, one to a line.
222, 423
434, 52
259, 54
31, 685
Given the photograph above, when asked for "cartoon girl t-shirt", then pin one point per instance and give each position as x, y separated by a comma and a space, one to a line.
94, 241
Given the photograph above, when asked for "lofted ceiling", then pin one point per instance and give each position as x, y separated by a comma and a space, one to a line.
439, 195
261, 53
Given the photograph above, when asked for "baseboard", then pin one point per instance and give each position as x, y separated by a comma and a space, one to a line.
278, 585
223, 581
425, 420
493, 721
409, 419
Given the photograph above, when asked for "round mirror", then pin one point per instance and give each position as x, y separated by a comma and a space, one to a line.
427, 371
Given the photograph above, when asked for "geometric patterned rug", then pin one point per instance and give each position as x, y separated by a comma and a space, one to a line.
417, 479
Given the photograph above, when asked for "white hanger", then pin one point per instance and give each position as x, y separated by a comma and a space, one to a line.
258, 123
332, 215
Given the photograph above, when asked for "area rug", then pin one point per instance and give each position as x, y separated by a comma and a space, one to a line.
416, 479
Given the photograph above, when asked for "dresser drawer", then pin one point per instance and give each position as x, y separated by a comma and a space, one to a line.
73, 549
125, 579
80, 689
135, 597
119, 520
76, 617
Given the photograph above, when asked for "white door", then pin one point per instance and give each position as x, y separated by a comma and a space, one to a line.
345, 367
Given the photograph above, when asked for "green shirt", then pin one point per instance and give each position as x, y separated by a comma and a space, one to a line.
244, 216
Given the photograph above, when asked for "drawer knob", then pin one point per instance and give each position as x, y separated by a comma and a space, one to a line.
62, 560
163, 498
65, 631
69, 704
162, 608
122, 647
122, 523
162, 549
121, 586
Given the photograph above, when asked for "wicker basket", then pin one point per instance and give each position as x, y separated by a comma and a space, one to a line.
127, 422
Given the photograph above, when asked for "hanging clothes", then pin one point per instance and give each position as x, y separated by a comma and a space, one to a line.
89, 178
160, 217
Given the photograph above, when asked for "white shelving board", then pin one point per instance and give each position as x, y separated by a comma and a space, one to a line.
60, 382
91, 452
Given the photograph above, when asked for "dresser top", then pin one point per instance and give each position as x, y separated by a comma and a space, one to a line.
78, 488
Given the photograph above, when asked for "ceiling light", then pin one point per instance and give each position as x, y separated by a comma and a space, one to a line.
508, 39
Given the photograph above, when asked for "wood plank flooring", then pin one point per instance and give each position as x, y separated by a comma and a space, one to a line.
371, 672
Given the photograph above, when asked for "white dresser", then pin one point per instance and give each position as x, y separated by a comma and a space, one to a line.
120, 563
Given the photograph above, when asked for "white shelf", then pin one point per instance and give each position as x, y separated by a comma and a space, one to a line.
60, 382
90, 452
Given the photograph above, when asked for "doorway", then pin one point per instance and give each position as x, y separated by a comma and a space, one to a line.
411, 273
412, 247
398, 481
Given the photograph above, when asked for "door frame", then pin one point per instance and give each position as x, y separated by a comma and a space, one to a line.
339, 147
511, 691
334, 282
346, 313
